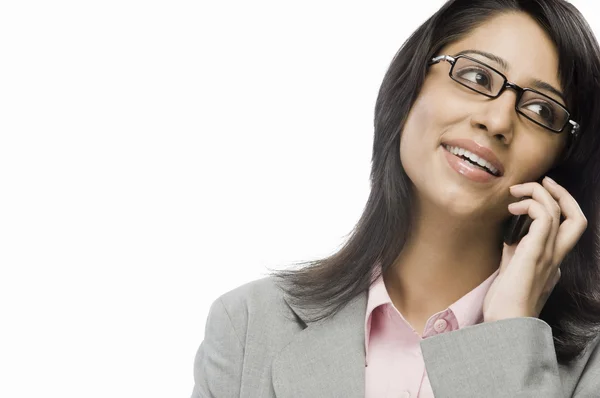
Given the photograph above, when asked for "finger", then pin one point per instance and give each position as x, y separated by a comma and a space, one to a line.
575, 221
540, 194
508, 252
540, 228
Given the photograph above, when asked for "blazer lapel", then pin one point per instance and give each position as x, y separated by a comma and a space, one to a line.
327, 358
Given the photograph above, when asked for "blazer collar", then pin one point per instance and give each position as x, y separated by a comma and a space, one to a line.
327, 358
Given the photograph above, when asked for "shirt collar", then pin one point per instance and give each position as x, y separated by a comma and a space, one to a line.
468, 310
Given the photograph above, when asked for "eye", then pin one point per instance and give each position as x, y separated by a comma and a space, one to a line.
542, 110
477, 76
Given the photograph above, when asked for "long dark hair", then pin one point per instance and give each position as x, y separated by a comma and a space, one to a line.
573, 309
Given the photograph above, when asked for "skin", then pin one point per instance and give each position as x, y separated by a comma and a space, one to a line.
456, 242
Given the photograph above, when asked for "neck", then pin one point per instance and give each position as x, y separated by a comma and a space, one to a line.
444, 259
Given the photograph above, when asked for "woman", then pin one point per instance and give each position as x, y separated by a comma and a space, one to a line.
431, 295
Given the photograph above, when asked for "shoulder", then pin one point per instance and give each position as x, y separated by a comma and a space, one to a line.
253, 295
583, 374
256, 307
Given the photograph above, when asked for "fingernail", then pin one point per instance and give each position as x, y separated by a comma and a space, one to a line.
514, 186
550, 180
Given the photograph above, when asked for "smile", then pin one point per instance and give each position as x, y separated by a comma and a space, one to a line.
472, 158
467, 168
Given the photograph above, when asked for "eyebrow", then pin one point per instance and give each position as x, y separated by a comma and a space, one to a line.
536, 83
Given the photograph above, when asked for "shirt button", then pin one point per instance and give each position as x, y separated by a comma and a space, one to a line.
440, 325
404, 394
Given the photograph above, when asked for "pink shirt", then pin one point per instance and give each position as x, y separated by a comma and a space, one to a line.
394, 363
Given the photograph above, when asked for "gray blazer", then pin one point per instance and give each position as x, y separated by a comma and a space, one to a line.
257, 345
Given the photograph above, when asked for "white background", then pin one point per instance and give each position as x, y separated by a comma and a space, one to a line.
157, 154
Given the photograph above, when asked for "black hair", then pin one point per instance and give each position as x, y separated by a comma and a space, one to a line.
573, 308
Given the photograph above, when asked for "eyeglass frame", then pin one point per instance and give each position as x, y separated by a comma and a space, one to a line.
508, 84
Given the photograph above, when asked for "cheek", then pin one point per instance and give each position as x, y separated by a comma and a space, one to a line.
423, 110
412, 137
420, 121
430, 116
535, 159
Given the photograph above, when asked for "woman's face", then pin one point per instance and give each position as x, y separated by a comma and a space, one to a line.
446, 111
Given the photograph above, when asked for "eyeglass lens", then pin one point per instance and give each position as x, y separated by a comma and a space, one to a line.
481, 78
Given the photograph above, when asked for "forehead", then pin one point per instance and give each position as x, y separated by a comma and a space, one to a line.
520, 41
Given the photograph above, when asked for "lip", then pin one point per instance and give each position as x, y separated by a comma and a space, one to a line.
467, 169
481, 151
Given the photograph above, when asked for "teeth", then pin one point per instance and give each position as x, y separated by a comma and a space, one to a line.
476, 159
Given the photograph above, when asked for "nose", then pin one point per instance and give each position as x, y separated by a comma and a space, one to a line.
497, 116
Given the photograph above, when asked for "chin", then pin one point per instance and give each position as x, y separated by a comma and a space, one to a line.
457, 201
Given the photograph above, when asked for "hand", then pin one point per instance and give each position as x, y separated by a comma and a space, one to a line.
529, 269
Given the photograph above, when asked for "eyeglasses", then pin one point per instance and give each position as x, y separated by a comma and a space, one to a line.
535, 106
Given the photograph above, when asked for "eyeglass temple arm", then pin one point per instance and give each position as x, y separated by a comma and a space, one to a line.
574, 128
436, 60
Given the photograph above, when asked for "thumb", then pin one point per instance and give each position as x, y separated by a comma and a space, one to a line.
507, 254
